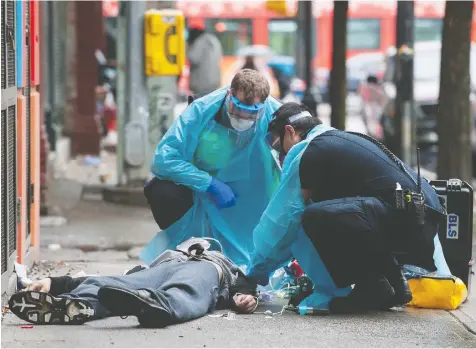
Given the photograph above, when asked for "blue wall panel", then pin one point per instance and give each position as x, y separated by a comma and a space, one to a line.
19, 42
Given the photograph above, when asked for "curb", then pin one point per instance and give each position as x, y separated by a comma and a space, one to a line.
133, 196
467, 321
10, 289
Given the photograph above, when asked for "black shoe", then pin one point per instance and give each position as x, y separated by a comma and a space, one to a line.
368, 295
403, 294
126, 302
41, 308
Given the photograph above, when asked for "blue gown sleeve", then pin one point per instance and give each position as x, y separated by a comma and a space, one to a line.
173, 155
278, 226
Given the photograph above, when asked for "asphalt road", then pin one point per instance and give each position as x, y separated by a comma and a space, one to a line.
404, 327
401, 328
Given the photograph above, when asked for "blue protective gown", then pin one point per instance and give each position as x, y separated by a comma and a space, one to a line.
196, 149
279, 236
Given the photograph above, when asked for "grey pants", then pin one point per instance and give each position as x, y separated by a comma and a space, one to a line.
187, 289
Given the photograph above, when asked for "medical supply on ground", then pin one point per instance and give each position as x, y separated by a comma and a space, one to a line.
437, 292
304, 288
311, 311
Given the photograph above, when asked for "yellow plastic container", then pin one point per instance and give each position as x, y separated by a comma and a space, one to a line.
438, 293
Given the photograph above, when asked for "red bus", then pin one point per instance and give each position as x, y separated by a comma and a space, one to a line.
371, 26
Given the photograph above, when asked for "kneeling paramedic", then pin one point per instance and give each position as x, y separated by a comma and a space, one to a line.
180, 285
339, 213
214, 172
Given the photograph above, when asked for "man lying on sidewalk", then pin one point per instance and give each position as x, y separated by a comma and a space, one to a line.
180, 285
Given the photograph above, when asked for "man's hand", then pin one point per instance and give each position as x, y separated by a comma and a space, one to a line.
41, 285
245, 303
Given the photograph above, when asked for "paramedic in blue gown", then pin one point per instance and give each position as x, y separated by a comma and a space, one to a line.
334, 212
214, 173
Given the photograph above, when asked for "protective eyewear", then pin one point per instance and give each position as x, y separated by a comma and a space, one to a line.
238, 110
276, 132
274, 141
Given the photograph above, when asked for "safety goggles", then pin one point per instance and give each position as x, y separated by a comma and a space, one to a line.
273, 140
276, 130
237, 110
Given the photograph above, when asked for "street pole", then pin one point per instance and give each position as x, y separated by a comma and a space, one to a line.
132, 164
150, 56
133, 96
121, 89
307, 30
405, 146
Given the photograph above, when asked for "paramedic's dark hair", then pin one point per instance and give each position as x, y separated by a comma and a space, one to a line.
289, 109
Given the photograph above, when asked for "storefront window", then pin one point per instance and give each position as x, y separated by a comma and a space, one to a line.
363, 34
232, 33
428, 29
282, 37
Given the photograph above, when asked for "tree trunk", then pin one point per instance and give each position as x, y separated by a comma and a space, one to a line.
454, 116
338, 76
85, 137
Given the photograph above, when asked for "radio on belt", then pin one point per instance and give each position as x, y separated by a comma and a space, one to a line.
456, 236
412, 201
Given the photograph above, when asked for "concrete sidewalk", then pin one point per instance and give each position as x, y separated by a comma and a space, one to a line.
101, 238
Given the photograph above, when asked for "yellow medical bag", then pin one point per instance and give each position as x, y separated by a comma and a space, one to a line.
434, 292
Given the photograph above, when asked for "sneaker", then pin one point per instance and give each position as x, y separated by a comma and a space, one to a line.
125, 302
371, 294
41, 308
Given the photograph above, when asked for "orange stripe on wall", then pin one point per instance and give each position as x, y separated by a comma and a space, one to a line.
21, 175
35, 172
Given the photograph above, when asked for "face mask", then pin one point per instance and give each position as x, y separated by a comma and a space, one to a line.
241, 125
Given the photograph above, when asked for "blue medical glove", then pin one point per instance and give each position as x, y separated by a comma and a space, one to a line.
222, 194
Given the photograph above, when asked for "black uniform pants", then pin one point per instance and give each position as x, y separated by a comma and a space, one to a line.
355, 237
168, 201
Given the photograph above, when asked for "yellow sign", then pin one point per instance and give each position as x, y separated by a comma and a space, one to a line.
278, 6
164, 42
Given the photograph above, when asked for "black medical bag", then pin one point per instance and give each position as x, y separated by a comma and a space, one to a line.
456, 236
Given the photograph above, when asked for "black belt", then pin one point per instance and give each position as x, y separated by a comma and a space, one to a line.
434, 215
